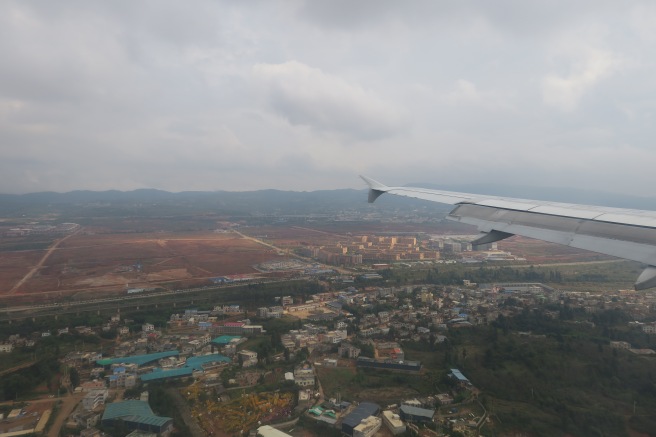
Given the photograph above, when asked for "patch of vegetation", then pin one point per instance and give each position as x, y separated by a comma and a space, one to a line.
22, 382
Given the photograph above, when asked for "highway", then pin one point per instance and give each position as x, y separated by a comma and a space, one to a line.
125, 301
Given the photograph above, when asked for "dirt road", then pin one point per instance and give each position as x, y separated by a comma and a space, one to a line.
65, 409
36, 268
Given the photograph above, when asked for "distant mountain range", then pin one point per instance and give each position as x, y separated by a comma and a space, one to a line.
283, 202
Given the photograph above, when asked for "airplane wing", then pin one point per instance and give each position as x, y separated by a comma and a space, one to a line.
624, 233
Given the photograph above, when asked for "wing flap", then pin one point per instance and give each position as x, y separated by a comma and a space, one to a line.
624, 233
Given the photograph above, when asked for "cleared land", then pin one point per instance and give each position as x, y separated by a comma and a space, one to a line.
103, 260
114, 261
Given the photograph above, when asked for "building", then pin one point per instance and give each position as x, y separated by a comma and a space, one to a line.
416, 414
136, 415
94, 398
304, 376
269, 431
87, 419
620, 345
361, 412
348, 351
367, 427
410, 366
247, 358
649, 329
393, 423
455, 373
444, 398
6, 347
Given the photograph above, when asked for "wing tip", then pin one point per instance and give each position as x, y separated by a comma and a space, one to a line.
376, 189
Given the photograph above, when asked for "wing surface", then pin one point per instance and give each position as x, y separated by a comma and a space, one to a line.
624, 233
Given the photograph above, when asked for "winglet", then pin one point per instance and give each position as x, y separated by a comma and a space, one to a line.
647, 279
375, 188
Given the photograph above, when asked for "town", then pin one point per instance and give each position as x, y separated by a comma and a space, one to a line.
351, 360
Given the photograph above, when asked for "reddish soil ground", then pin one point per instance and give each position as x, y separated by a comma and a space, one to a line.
15, 265
98, 261
109, 261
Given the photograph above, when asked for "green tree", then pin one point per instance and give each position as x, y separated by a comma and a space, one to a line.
74, 376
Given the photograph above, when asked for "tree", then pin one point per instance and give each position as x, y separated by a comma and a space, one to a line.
74, 377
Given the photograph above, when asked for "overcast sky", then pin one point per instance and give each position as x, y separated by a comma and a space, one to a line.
306, 95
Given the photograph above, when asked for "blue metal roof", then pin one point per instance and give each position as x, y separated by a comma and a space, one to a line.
193, 363
133, 411
224, 339
458, 375
138, 359
196, 363
164, 374
362, 411
409, 410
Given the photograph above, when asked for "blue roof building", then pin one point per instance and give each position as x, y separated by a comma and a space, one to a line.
135, 415
224, 339
362, 411
415, 414
455, 373
193, 364
139, 360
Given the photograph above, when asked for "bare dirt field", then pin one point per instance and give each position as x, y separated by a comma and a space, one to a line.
117, 261
101, 261
15, 265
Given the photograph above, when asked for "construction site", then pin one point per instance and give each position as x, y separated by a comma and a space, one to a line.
242, 414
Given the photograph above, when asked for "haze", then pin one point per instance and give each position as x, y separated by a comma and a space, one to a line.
300, 95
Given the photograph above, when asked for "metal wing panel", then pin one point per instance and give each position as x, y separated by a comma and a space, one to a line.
624, 233
447, 197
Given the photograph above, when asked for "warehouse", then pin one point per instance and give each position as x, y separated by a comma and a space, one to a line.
415, 414
136, 415
361, 412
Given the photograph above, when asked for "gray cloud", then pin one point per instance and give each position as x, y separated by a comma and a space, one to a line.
306, 95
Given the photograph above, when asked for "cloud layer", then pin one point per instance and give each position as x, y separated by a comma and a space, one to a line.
213, 95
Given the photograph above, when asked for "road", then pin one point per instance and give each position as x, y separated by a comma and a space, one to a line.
18, 367
36, 268
185, 412
65, 409
286, 251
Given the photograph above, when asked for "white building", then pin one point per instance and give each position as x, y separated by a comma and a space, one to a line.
368, 427
94, 398
649, 329
393, 422
269, 431
248, 358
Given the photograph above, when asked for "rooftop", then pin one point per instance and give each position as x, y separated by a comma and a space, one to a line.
134, 411
138, 359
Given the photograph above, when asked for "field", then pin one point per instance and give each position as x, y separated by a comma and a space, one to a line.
380, 386
112, 262
101, 259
